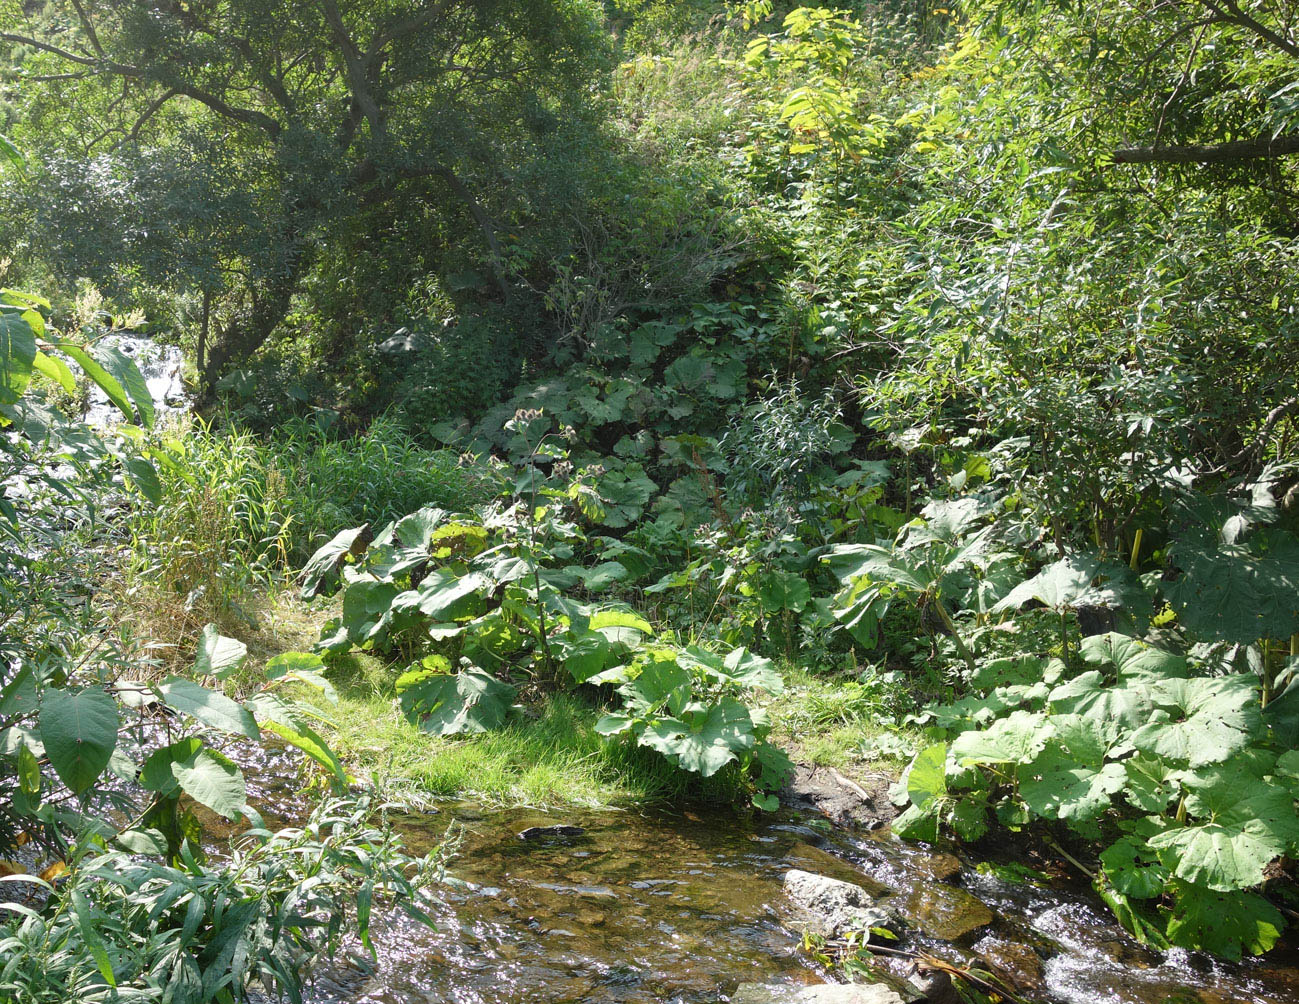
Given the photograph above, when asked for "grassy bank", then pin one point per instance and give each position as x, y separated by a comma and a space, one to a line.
549, 755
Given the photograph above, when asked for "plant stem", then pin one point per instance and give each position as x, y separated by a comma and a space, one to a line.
946, 618
1136, 550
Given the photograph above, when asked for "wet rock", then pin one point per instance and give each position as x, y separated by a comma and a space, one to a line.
536, 833
944, 912
830, 907
939, 866
805, 857
824, 993
841, 800
1016, 965
934, 986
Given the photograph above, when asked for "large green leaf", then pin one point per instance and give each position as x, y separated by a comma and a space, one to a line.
218, 656
927, 775
620, 626
208, 706
79, 732
1240, 824
1224, 924
17, 355
322, 565
444, 596
211, 778
1238, 592
859, 607
416, 530
1088, 694
443, 705
305, 667
123, 369
779, 590
57, 370
1076, 581
1208, 719
1017, 738
156, 773
283, 719
102, 378
1132, 870
1070, 779
1134, 661
703, 741
660, 681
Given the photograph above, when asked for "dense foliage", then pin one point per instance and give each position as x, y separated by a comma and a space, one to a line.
944, 355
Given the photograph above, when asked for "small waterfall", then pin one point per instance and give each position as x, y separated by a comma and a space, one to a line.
161, 367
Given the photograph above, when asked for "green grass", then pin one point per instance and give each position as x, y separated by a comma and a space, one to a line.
554, 758
550, 754
838, 722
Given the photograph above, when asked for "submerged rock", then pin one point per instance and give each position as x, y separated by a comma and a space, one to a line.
944, 912
824, 993
550, 832
1016, 965
831, 907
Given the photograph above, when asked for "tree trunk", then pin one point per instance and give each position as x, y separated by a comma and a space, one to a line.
201, 352
244, 337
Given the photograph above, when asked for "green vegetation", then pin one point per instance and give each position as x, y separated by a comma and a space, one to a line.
638, 397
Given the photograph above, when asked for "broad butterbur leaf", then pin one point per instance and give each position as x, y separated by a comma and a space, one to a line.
1017, 738
444, 705
1207, 720
1225, 924
703, 741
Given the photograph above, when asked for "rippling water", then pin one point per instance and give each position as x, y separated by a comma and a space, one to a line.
682, 907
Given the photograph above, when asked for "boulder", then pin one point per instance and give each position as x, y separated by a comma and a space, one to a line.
832, 907
824, 993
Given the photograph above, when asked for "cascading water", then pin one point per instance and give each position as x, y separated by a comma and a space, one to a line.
160, 365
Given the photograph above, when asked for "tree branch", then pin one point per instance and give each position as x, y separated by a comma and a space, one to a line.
1229, 12
1222, 153
357, 70
89, 26
249, 116
144, 117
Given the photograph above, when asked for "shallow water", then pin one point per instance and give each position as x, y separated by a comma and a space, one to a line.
682, 907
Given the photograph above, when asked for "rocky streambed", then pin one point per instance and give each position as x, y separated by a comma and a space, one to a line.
703, 907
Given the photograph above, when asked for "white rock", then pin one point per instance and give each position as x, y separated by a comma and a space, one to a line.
825, 993
850, 993
832, 906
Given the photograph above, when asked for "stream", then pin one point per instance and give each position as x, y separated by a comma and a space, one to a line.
687, 906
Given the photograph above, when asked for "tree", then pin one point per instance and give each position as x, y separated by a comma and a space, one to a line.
218, 143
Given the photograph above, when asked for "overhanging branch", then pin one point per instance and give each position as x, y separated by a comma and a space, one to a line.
1259, 148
